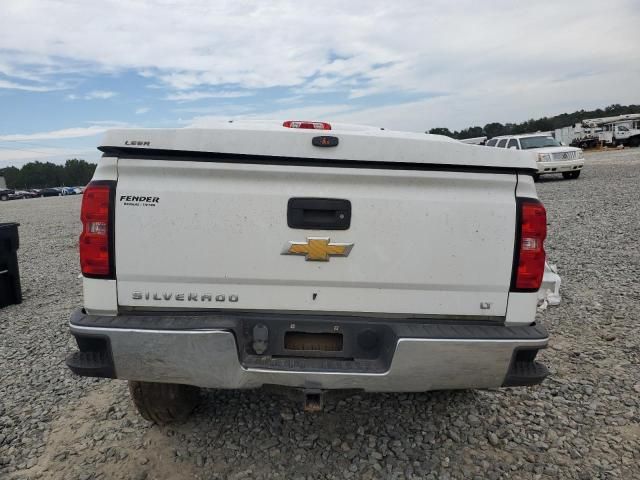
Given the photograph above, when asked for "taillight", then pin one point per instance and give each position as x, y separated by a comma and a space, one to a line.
530, 254
304, 124
95, 239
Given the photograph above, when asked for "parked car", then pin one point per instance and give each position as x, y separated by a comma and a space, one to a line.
51, 192
5, 194
68, 190
552, 156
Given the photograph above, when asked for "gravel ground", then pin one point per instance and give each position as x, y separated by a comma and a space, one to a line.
583, 422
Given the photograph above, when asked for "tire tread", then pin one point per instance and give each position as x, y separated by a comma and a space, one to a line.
163, 403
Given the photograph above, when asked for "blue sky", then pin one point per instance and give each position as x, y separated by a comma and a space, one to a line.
70, 69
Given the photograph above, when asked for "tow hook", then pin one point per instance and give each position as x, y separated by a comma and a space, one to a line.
313, 400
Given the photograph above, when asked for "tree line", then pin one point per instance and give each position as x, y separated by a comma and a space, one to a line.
543, 124
75, 172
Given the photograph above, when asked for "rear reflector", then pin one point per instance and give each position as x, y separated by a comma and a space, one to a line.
305, 124
95, 239
530, 254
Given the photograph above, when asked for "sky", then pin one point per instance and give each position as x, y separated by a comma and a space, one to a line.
70, 69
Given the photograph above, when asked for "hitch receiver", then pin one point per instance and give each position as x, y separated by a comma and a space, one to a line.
313, 400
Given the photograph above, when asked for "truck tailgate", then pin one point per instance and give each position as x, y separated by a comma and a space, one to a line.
206, 235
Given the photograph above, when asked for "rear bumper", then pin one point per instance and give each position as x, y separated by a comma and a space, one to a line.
211, 351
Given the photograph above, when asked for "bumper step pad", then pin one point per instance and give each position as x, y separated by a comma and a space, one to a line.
91, 364
522, 374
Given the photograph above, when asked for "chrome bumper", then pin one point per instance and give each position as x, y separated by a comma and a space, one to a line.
560, 166
209, 358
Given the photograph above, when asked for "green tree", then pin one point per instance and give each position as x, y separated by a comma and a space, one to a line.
471, 132
493, 129
441, 131
77, 172
11, 176
74, 172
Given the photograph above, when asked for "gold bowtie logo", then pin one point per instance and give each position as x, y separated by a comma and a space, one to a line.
317, 249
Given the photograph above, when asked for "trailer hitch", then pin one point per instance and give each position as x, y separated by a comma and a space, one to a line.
313, 400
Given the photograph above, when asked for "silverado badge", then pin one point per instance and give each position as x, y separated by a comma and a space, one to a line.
317, 249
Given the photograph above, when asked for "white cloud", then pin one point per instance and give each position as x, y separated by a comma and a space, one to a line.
100, 94
93, 95
431, 45
200, 95
484, 60
319, 112
142, 110
9, 85
19, 148
109, 123
455, 111
77, 132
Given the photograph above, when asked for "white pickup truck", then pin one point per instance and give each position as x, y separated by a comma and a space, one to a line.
308, 256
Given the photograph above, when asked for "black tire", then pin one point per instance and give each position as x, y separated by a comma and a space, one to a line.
536, 177
567, 175
164, 403
575, 174
4, 198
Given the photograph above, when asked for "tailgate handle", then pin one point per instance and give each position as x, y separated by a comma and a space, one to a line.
319, 213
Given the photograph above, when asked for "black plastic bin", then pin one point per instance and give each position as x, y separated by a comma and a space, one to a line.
10, 291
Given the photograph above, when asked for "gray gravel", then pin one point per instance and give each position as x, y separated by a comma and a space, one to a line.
583, 422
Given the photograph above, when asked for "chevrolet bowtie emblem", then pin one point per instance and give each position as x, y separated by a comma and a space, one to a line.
317, 249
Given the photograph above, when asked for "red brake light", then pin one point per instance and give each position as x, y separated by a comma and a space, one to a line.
305, 124
530, 255
95, 248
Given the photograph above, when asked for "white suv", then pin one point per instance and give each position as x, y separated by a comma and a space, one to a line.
552, 156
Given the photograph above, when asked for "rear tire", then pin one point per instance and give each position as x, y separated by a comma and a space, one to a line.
575, 174
567, 175
164, 403
4, 198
